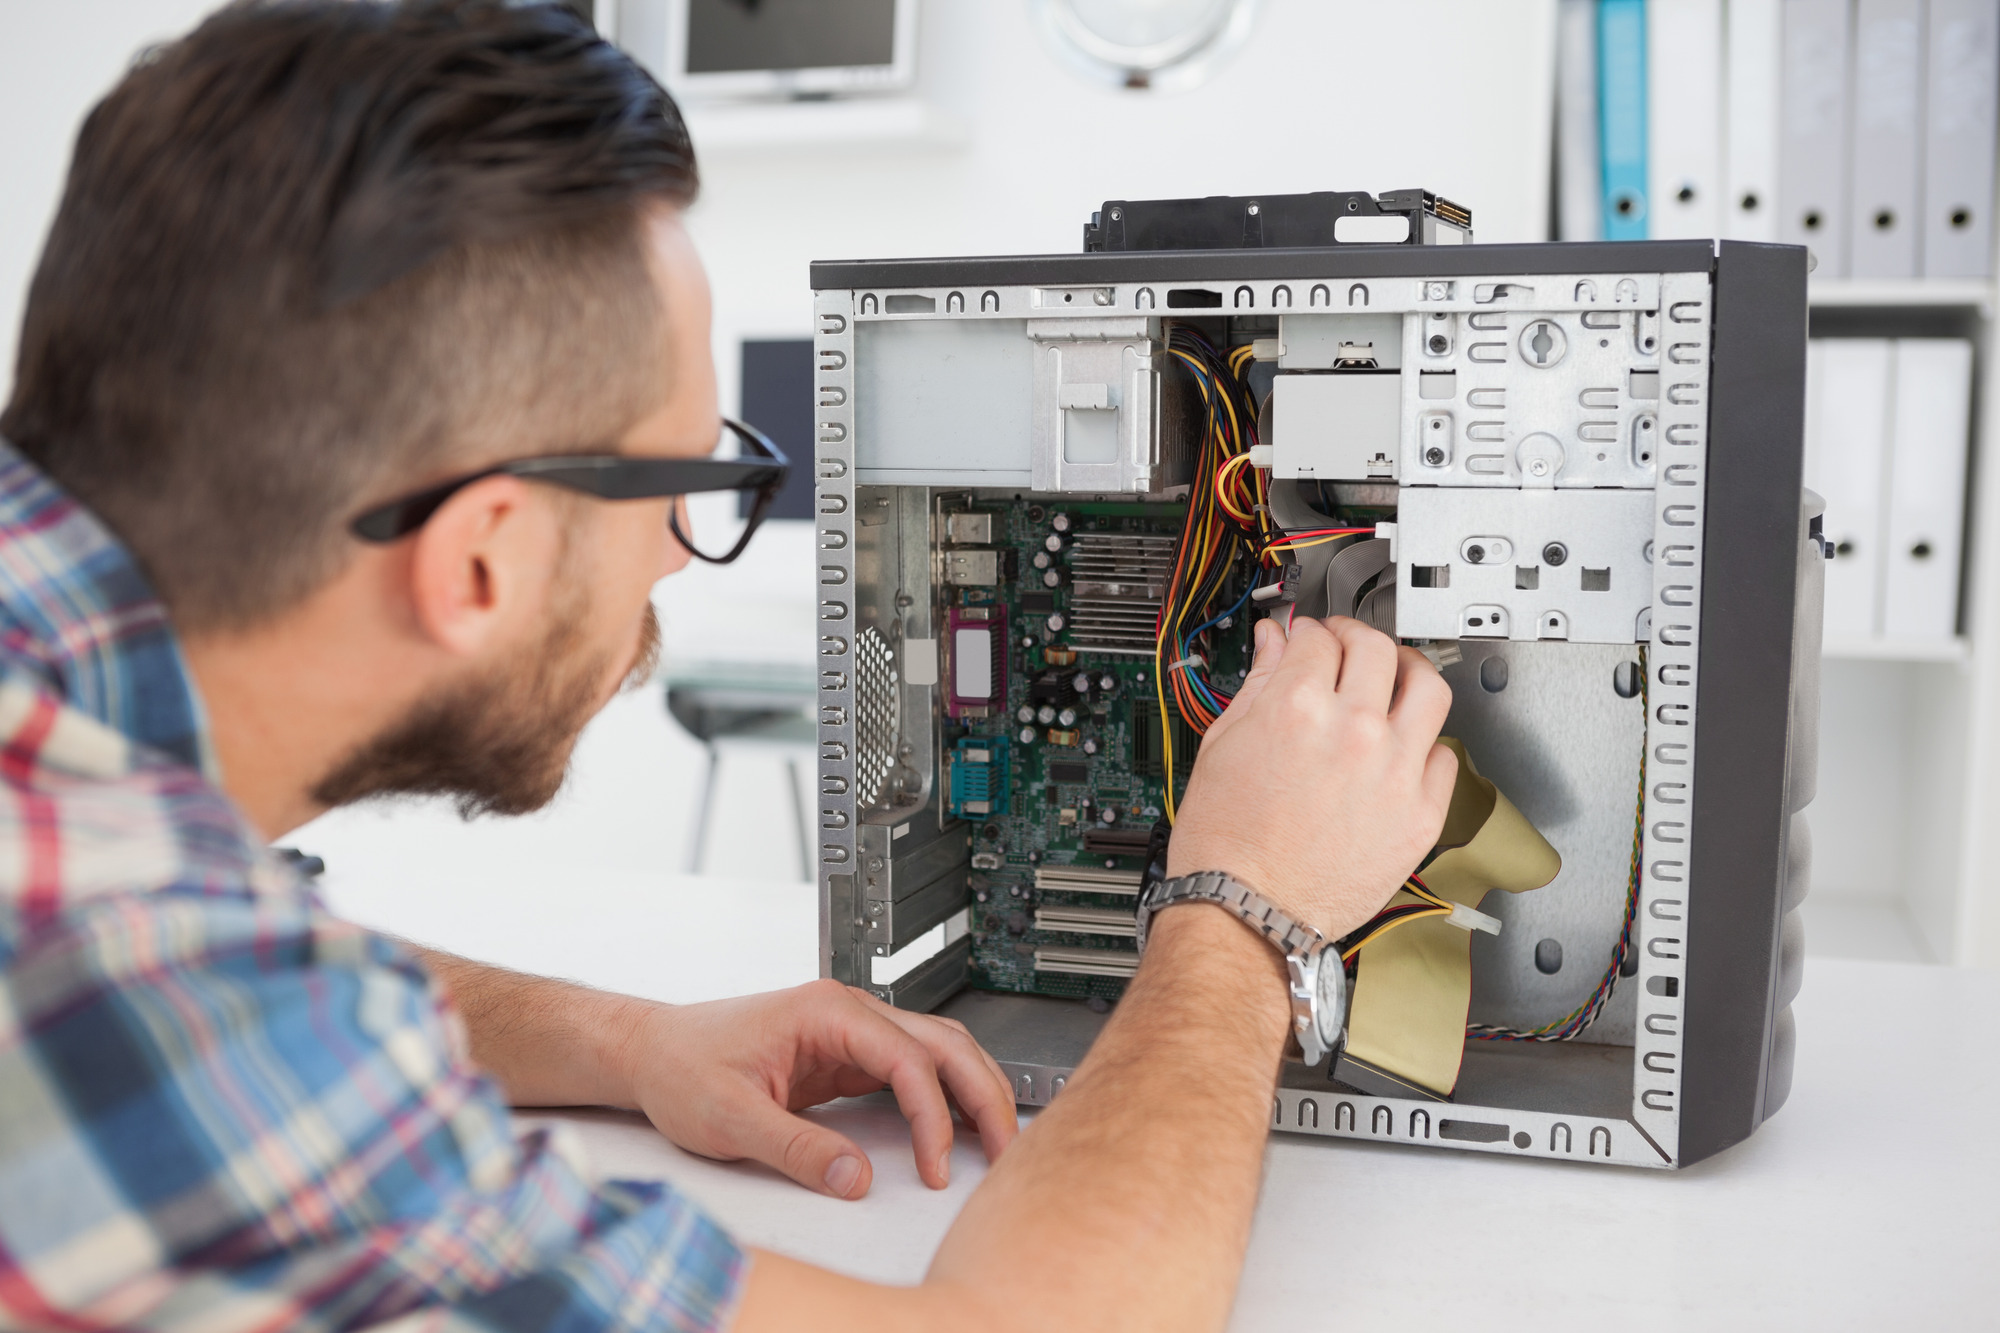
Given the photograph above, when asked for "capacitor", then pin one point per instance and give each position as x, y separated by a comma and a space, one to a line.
1056, 622
1052, 578
1042, 560
1107, 682
1082, 683
1054, 543
1045, 714
1025, 714
1060, 522
1067, 717
1108, 815
1026, 735
1063, 738
1090, 746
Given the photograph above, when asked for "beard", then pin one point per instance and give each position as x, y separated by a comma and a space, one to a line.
499, 744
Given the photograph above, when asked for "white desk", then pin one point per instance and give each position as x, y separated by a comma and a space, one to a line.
1872, 1200
1856, 1206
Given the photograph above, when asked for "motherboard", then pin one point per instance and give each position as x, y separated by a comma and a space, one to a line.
1053, 746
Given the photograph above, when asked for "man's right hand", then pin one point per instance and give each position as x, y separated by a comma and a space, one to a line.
1322, 785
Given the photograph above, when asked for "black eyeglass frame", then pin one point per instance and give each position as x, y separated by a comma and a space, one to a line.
611, 477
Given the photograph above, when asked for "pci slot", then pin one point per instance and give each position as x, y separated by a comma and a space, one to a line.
1088, 879
1087, 962
1087, 921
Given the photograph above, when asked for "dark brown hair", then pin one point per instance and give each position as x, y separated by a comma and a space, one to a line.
318, 252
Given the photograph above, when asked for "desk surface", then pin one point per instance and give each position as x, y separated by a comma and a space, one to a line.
1857, 1203
1873, 1197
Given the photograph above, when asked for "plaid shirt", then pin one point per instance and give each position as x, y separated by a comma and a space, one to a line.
221, 1108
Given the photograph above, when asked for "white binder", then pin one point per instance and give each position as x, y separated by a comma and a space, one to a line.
1960, 112
1579, 168
1884, 216
1926, 510
1847, 426
1750, 119
1812, 130
1684, 115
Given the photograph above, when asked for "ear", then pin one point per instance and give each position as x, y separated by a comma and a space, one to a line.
483, 564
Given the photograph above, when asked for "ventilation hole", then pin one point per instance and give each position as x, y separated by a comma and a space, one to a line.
1625, 679
1549, 957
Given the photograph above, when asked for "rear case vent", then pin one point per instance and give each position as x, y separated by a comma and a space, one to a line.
874, 717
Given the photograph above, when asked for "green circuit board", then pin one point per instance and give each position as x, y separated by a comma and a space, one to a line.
1065, 781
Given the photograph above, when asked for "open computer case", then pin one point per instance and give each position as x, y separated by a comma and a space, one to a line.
1053, 491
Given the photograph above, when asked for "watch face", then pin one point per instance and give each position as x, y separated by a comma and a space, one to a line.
1331, 1008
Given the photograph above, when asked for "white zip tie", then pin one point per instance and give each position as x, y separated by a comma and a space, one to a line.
1192, 659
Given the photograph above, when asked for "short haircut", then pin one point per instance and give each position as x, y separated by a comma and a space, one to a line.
319, 252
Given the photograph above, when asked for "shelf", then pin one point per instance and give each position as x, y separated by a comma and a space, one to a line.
1897, 650
1904, 292
834, 122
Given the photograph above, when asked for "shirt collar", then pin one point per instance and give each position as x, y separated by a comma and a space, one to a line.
77, 614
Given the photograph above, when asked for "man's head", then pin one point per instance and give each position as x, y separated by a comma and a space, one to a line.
321, 253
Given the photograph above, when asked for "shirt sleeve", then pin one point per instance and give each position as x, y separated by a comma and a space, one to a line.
239, 1113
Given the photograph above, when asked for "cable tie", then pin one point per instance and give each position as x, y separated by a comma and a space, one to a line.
1192, 659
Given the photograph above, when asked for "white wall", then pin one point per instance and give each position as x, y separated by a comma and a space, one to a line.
55, 62
1451, 95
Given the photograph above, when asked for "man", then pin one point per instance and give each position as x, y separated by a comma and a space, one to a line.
362, 367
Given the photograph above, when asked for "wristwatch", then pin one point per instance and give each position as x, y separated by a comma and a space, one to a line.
1317, 978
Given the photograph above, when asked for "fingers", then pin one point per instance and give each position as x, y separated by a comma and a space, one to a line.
1440, 774
1422, 697
822, 1160
1268, 637
862, 1036
971, 1077
1367, 663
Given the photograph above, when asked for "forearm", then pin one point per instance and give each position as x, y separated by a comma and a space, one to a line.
550, 1043
1128, 1203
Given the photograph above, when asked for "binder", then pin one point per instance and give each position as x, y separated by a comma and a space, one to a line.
1845, 462
1931, 420
1684, 113
1884, 213
1579, 172
1812, 130
1750, 147
1960, 112
1621, 116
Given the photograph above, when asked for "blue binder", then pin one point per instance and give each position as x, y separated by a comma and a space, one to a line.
1621, 101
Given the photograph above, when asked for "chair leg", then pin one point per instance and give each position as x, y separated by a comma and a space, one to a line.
799, 819
703, 811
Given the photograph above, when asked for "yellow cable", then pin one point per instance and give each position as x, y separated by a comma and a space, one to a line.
1353, 949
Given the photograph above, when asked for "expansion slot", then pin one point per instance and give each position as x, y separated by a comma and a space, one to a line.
1087, 921
1088, 879
1087, 962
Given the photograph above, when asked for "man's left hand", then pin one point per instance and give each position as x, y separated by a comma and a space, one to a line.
725, 1079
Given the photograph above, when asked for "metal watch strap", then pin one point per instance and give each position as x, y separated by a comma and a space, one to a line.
1289, 937
1316, 1020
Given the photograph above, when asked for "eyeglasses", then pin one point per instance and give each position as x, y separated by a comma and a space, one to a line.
614, 477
